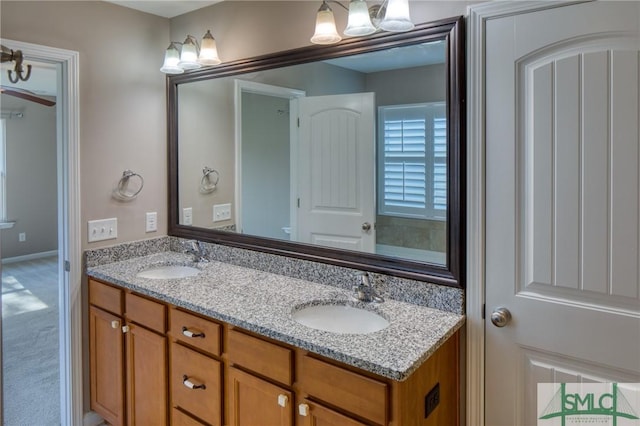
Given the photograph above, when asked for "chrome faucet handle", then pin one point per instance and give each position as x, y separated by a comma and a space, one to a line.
197, 249
202, 252
365, 291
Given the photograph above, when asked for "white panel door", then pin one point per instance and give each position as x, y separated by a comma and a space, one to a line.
562, 202
336, 171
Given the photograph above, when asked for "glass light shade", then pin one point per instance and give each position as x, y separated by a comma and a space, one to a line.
326, 32
189, 55
359, 22
171, 59
396, 18
208, 50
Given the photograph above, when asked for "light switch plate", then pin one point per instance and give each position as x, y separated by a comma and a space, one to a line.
103, 229
221, 212
151, 224
187, 216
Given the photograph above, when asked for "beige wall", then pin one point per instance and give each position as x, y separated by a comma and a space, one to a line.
32, 199
122, 100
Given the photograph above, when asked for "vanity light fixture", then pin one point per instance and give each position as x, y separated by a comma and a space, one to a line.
190, 55
391, 15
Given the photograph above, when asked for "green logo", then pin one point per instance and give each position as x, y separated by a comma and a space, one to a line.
586, 403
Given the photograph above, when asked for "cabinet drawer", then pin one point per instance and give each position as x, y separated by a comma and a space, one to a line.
360, 395
260, 356
146, 312
178, 418
195, 331
189, 371
105, 296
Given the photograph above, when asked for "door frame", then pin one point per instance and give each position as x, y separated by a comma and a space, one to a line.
241, 86
69, 232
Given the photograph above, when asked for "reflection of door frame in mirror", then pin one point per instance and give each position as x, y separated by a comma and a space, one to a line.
244, 86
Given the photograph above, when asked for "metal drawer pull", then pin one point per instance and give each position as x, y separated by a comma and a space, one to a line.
188, 383
190, 333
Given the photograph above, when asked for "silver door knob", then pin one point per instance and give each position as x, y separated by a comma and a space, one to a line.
366, 226
500, 317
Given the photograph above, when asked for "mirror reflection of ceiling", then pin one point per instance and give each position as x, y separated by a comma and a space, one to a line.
392, 59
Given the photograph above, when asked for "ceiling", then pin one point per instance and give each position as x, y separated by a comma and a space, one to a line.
165, 8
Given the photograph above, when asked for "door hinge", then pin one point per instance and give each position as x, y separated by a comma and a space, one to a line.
484, 308
298, 121
298, 202
67, 265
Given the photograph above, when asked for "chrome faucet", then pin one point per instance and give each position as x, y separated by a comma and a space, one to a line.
365, 291
197, 249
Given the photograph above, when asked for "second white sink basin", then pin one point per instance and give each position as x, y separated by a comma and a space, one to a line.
168, 272
338, 318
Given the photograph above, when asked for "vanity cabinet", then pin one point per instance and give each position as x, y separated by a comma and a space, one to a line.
128, 356
219, 374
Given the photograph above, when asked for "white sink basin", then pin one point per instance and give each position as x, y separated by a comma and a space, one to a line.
168, 272
340, 319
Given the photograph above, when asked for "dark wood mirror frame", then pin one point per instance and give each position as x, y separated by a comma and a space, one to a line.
453, 273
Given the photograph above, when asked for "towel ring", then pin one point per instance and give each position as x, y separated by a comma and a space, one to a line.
120, 192
206, 184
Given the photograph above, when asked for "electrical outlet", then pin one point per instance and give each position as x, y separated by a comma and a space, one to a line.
103, 229
151, 222
221, 212
431, 400
22, 237
187, 216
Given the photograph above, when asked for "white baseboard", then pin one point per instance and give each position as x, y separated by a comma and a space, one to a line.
32, 256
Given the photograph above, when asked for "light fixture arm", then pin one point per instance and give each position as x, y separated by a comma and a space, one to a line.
10, 55
336, 2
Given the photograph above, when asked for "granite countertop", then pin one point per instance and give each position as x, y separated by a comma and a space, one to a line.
262, 302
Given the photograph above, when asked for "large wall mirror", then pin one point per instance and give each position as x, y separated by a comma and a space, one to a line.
349, 154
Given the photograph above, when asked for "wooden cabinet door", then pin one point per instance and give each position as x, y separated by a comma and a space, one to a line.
147, 399
106, 353
253, 401
312, 414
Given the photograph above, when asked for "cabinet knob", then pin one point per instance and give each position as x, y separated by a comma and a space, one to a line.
303, 410
115, 324
282, 400
190, 333
192, 385
125, 328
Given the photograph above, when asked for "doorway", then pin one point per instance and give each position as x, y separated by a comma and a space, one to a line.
41, 244
30, 279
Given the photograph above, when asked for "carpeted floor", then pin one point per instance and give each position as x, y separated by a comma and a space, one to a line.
31, 365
